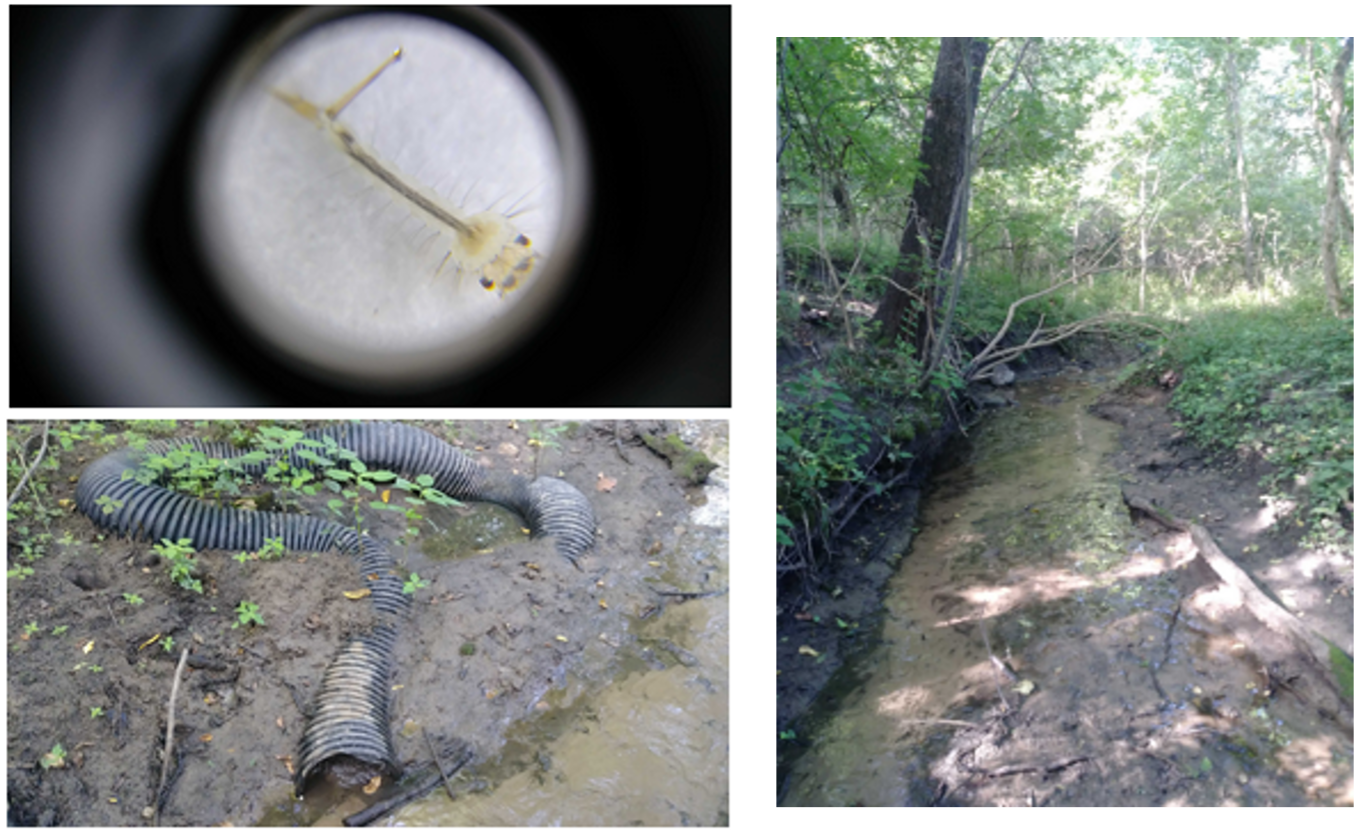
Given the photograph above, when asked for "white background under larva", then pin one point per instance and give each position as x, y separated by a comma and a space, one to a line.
316, 235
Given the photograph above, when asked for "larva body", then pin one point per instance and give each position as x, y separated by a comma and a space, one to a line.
485, 245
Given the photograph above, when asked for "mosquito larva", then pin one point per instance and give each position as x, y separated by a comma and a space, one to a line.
486, 244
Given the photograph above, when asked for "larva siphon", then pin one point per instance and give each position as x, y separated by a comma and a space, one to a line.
486, 245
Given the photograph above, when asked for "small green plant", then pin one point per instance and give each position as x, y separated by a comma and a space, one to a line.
183, 562
59, 631
820, 440
274, 548
31, 628
338, 480
424, 491
107, 504
132, 599
360, 475
788, 735
190, 471
96, 712
277, 447
413, 519
55, 758
247, 613
167, 643
31, 545
21, 572
153, 427
541, 436
413, 584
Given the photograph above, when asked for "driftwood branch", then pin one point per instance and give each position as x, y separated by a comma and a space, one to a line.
1092, 268
1257, 603
982, 366
1309, 645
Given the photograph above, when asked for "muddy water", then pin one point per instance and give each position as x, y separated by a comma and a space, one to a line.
1014, 539
650, 747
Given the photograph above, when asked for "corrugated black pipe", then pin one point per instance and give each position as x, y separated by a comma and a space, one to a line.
349, 715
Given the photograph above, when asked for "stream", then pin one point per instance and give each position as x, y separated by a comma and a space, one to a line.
1034, 650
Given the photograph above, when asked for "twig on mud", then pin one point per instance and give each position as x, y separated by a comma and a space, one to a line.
997, 682
383, 807
963, 431
1167, 653
1026, 769
619, 443
883, 491
448, 786
29, 472
170, 731
950, 722
420, 789
683, 595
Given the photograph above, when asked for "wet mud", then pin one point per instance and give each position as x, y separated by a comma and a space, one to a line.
596, 696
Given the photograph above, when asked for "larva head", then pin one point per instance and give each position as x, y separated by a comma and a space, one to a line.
512, 266
501, 257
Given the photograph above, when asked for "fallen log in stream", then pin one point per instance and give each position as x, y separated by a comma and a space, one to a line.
1244, 595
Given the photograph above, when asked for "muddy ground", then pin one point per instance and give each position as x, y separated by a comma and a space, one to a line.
1226, 495
1236, 735
507, 650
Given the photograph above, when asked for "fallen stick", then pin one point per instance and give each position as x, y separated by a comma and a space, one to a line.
1164, 518
170, 732
1260, 606
23, 481
448, 786
422, 784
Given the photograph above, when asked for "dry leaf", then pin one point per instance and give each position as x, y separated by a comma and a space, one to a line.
359, 594
809, 650
605, 484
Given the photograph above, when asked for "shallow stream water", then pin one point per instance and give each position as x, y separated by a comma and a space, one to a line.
1034, 650
1006, 535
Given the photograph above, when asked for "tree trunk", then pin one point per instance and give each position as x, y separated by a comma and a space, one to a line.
1332, 200
1236, 127
925, 252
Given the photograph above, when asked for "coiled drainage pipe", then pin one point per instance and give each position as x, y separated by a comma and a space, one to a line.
349, 715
